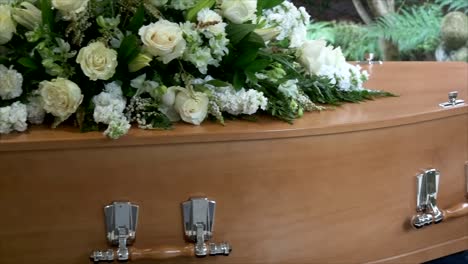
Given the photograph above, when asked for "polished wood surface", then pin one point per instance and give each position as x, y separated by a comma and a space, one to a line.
458, 210
307, 193
162, 253
421, 86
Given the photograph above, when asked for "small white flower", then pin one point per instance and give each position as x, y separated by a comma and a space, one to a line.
289, 21
239, 11
7, 25
36, 112
60, 97
164, 40
207, 16
97, 61
117, 128
13, 117
234, 102
11, 82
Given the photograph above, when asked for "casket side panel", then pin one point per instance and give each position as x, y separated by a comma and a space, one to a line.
336, 198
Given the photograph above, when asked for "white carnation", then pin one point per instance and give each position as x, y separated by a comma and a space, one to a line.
117, 128
109, 104
36, 112
11, 82
13, 117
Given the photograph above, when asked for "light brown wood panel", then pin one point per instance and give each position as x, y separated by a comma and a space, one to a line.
341, 198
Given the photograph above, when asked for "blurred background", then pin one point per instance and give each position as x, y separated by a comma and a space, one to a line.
416, 30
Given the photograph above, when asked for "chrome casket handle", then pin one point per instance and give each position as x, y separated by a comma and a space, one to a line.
428, 185
121, 223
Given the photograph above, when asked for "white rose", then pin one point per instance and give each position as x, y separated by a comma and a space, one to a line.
97, 61
192, 109
239, 11
7, 26
314, 54
164, 40
70, 6
11, 82
60, 97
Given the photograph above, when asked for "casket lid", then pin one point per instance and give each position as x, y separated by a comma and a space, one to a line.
421, 86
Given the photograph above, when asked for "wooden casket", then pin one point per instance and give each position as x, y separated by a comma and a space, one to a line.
338, 186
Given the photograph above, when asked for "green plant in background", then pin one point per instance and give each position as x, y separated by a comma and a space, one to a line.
454, 5
414, 28
354, 39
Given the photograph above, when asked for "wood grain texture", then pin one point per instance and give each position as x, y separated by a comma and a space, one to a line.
162, 253
283, 195
458, 210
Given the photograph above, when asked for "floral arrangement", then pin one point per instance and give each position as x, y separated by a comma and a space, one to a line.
105, 64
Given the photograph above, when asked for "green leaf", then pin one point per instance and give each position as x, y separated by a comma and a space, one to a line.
129, 49
137, 20
239, 80
192, 13
258, 65
28, 63
246, 57
218, 83
47, 14
267, 4
237, 32
253, 40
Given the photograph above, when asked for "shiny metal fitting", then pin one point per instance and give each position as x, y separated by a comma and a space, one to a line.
121, 223
452, 100
426, 199
369, 59
198, 214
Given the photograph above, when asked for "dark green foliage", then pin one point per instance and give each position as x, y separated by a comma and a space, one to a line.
320, 90
454, 5
416, 28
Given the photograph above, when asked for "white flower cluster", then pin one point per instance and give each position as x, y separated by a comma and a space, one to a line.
11, 82
13, 117
211, 27
234, 102
290, 21
109, 108
36, 112
347, 77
